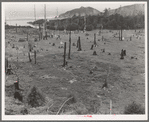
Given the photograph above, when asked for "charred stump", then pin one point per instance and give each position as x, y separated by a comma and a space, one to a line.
79, 44
92, 47
94, 53
35, 56
64, 63
29, 57
122, 54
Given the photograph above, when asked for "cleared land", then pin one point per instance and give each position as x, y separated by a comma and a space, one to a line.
126, 80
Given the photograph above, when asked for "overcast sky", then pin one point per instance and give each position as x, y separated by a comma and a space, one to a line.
26, 10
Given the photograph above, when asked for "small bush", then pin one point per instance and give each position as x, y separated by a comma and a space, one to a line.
134, 108
35, 98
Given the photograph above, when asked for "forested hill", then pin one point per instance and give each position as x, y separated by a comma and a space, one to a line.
93, 22
127, 17
82, 11
131, 10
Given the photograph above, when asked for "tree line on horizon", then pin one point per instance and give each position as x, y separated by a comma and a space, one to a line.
94, 22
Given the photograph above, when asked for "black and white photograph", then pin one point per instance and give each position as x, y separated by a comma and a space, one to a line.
74, 60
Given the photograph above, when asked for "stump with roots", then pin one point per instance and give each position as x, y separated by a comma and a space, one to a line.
94, 53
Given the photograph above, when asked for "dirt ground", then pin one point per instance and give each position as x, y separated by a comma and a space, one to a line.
84, 75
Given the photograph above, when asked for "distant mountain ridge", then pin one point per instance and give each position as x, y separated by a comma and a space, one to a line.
82, 11
131, 10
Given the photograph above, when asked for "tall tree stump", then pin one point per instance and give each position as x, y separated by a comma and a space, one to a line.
95, 39
122, 54
64, 62
69, 46
35, 56
29, 57
79, 44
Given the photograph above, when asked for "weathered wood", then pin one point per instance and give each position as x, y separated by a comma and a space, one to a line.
16, 85
92, 47
95, 39
64, 63
69, 46
29, 56
122, 54
79, 44
35, 56
94, 53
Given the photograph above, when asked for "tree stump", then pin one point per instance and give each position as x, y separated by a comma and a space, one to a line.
95, 39
103, 50
29, 57
64, 63
105, 85
122, 54
79, 44
13, 46
92, 47
16, 85
53, 44
69, 47
35, 56
17, 95
73, 44
94, 53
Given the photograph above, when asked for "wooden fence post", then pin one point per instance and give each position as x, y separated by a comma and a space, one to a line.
64, 63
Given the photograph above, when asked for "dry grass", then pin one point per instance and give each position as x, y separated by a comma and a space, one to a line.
125, 81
